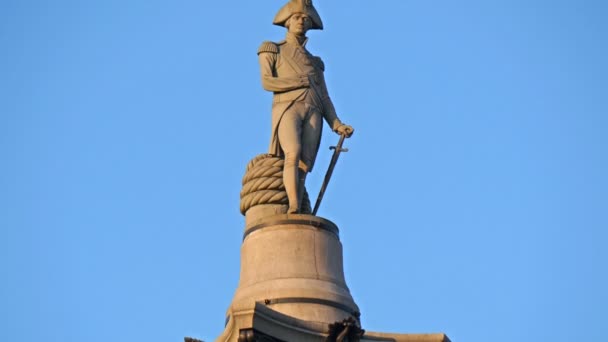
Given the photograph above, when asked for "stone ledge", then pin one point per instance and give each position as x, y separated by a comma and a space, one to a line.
293, 219
377, 336
276, 325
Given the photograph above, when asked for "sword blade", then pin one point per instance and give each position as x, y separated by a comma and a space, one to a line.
330, 171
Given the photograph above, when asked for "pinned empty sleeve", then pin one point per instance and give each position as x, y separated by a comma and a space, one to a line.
319, 63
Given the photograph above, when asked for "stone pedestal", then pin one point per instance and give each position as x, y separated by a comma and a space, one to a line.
292, 285
292, 265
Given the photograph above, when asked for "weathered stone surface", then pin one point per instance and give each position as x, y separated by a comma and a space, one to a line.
292, 285
265, 210
293, 264
261, 323
301, 101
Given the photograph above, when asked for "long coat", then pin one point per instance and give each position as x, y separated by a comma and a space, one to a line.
293, 74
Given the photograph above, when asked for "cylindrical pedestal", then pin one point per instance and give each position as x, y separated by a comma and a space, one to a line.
293, 265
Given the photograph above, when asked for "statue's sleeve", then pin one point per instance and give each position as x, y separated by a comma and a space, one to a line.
274, 83
329, 111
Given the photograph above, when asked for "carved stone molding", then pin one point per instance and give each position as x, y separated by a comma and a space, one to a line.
251, 335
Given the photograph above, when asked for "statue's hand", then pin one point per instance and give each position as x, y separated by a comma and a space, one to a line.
346, 130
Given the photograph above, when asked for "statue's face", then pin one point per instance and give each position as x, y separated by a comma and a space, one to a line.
298, 24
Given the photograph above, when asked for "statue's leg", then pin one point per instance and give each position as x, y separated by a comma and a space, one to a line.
290, 130
311, 133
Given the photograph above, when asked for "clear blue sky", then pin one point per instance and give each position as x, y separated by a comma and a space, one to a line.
474, 200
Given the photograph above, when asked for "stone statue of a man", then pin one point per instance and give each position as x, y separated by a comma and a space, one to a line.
301, 100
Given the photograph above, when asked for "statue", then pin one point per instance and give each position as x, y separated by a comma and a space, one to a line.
300, 101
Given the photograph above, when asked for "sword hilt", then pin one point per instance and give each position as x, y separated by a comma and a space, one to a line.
336, 147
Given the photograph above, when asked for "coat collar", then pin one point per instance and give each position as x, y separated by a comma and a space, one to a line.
293, 39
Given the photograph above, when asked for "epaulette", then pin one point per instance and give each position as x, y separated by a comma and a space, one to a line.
268, 47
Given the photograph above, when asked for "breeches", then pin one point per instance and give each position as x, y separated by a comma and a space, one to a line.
299, 133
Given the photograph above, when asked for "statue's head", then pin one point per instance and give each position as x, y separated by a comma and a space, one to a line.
298, 23
296, 11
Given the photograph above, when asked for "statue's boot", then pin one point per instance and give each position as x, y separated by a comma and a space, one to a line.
291, 182
301, 187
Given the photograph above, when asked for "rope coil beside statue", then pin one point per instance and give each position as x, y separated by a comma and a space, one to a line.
263, 184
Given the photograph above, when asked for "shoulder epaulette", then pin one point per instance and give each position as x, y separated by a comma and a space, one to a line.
268, 47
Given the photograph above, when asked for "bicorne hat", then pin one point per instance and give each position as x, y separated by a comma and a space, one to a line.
299, 6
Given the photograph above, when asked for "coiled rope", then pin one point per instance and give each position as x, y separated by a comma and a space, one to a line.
263, 184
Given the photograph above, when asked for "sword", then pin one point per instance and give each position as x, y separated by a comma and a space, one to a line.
334, 159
